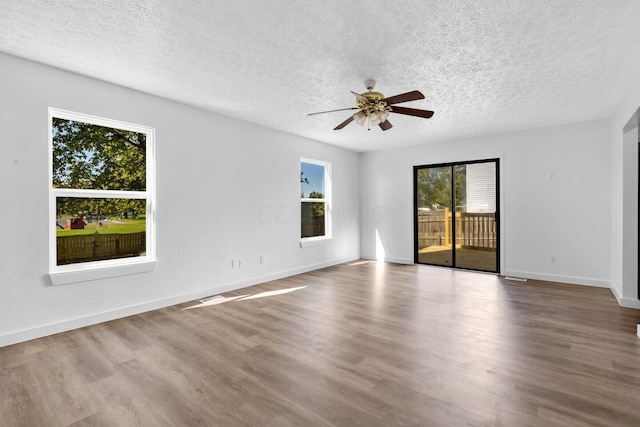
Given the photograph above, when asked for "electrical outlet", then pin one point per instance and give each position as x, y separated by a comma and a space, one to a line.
233, 263
263, 259
240, 263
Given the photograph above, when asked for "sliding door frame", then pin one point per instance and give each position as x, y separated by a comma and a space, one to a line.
453, 198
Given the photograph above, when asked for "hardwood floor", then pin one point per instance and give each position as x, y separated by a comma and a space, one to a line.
362, 344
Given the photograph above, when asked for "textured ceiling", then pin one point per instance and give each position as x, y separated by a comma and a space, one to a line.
485, 66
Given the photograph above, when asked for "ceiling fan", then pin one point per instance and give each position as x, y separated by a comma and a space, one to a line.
375, 108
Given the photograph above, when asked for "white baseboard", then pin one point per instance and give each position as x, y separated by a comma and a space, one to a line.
625, 302
560, 279
622, 301
80, 322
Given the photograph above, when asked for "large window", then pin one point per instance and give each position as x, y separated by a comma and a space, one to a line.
315, 200
101, 197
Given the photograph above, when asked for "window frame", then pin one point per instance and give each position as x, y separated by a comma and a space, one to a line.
327, 200
93, 270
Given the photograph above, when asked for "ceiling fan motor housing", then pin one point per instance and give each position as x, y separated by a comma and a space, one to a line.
372, 97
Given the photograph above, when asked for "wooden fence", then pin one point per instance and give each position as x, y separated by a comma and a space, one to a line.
311, 227
473, 230
97, 247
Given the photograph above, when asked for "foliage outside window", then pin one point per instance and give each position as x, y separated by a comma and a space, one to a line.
101, 192
434, 187
315, 185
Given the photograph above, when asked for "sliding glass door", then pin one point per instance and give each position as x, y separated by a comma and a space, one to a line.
456, 216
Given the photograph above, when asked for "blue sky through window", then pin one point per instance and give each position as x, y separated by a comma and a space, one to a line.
315, 175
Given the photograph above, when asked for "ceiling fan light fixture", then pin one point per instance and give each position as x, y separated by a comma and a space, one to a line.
378, 117
360, 117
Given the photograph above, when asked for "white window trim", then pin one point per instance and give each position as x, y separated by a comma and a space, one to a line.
81, 272
306, 242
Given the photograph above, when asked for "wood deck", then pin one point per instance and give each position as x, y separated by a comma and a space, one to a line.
469, 258
361, 344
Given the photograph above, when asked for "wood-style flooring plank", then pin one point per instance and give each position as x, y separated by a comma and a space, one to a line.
359, 344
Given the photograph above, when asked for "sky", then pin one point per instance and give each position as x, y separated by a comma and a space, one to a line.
315, 174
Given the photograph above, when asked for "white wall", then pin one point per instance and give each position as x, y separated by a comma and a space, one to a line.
555, 199
624, 197
226, 189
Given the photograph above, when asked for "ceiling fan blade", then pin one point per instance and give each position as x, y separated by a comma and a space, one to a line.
385, 125
361, 98
404, 97
331, 111
343, 124
412, 112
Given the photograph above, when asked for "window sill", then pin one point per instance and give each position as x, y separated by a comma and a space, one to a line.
315, 241
78, 273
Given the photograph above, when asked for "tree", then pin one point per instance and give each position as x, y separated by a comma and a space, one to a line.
434, 186
88, 156
318, 208
303, 180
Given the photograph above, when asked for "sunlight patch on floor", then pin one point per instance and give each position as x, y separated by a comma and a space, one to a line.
272, 293
361, 262
219, 299
215, 301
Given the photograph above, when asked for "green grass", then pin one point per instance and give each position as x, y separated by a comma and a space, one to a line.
127, 226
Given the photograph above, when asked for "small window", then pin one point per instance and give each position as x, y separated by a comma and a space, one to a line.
101, 197
315, 199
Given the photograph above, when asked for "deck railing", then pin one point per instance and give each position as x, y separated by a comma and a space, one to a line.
473, 230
